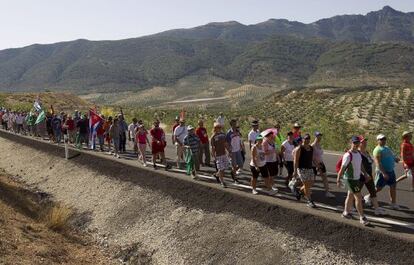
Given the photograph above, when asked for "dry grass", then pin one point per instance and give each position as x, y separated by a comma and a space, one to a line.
57, 217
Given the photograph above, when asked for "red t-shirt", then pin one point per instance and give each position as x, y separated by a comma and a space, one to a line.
407, 154
70, 124
202, 134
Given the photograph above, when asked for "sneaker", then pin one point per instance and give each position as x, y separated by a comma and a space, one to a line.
363, 220
346, 215
367, 200
379, 211
254, 192
329, 195
193, 175
217, 178
311, 204
275, 189
395, 206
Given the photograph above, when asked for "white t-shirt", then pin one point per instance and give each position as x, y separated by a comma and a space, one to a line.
180, 132
288, 154
252, 136
131, 129
356, 165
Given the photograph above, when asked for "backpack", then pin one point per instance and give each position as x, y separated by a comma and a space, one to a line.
339, 163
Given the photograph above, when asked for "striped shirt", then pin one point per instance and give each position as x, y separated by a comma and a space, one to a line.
193, 141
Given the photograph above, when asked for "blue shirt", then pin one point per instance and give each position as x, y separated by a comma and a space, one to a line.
387, 157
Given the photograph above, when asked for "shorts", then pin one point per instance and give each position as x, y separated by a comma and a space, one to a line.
289, 167
353, 185
380, 182
273, 168
321, 168
370, 186
306, 174
237, 159
222, 163
262, 170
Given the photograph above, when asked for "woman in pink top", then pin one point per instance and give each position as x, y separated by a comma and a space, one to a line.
142, 139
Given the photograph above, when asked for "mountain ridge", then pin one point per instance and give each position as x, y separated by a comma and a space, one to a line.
343, 50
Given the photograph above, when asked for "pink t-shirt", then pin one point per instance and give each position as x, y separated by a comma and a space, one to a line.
141, 137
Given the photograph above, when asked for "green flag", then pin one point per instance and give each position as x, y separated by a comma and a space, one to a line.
41, 117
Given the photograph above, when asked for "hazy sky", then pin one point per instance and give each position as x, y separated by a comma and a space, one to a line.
24, 22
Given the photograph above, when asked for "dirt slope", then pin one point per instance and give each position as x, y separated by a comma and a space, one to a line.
26, 240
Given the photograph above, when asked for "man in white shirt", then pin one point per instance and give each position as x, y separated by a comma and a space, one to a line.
131, 134
179, 134
254, 132
233, 138
351, 170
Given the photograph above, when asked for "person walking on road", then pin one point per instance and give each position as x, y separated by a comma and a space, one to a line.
201, 132
141, 138
179, 134
287, 156
233, 139
319, 165
123, 128
131, 134
271, 156
83, 131
407, 156
158, 144
106, 126
174, 126
385, 175
303, 168
367, 161
351, 170
192, 145
115, 134
220, 150
258, 165
254, 132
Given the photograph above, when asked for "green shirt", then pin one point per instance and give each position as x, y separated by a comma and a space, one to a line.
387, 157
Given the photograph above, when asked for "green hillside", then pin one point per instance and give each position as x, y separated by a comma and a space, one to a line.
342, 51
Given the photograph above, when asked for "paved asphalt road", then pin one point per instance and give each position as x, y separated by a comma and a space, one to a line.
405, 197
396, 221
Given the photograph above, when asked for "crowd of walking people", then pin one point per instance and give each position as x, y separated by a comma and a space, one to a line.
270, 152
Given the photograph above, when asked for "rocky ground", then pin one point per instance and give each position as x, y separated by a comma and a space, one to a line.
171, 224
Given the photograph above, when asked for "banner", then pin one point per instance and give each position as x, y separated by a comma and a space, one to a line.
41, 117
94, 122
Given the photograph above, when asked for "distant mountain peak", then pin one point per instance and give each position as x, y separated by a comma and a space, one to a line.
390, 10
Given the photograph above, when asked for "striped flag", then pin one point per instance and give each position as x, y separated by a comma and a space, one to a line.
41, 117
94, 122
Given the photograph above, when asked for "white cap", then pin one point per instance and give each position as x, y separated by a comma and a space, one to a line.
380, 136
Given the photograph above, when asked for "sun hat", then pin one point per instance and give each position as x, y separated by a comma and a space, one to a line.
405, 133
216, 125
380, 136
259, 137
362, 138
